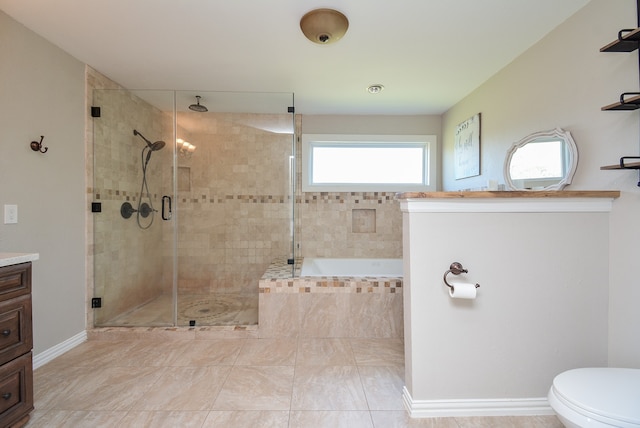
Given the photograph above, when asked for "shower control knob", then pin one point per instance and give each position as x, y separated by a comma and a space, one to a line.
145, 210
126, 210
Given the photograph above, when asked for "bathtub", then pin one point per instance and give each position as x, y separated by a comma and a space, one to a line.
358, 268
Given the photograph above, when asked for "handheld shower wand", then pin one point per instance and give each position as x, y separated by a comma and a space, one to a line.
143, 208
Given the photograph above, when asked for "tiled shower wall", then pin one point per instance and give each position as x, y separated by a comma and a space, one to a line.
128, 261
234, 200
345, 224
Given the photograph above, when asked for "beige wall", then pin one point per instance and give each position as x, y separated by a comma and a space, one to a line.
43, 94
541, 307
562, 82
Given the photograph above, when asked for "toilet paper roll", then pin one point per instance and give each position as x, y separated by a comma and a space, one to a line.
462, 290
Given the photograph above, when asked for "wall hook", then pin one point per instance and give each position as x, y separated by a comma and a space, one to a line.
37, 146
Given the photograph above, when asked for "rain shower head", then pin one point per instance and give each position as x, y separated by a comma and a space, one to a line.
198, 107
152, 146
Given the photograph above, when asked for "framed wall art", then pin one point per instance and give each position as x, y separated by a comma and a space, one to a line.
467, 148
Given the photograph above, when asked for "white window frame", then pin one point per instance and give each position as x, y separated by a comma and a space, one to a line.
429, 143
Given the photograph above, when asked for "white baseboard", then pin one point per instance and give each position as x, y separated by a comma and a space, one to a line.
44, 357
475, 407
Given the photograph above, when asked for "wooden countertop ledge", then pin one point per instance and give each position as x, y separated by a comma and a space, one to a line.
511, 194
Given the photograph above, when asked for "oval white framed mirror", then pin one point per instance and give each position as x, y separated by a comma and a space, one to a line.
545, 160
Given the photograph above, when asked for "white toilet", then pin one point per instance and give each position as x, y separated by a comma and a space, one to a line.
597, 397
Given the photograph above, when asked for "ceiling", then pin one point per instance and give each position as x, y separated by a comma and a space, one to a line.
428, 54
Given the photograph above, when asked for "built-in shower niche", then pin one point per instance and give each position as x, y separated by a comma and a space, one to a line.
363, 220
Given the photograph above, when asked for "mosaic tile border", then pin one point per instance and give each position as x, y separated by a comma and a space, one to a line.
119, 195
251, 199
331, 285
306, 198
343, 197
278, 279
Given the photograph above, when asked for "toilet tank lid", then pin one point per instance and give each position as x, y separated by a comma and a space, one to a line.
610, 392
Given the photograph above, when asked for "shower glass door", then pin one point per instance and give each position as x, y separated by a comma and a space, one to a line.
134, 236
234, 201
187, 228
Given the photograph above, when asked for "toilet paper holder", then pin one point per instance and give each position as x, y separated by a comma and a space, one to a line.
456, 269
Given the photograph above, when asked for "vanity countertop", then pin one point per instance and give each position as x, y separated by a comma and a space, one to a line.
512, 194
7, 259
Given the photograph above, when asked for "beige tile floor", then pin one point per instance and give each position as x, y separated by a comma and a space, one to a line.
235, 383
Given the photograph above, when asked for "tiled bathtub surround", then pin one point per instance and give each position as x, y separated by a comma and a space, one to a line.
345, 224
348, 224
328, 306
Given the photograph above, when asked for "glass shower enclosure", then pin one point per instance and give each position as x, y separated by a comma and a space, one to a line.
195, 204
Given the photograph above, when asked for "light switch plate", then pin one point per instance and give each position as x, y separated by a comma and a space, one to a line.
10, 214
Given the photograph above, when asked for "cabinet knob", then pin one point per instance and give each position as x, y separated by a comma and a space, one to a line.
6, 333
6, 395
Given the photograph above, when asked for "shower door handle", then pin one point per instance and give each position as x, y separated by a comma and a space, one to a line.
166, 208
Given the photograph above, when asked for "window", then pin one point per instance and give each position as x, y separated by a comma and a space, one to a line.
539, 160
341, 163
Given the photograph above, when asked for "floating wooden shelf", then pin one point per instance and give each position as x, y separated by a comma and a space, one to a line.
631, 165
625, 43
623, 164
542, 194
631, 103
628, 41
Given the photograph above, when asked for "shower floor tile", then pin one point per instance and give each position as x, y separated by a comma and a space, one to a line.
220, 309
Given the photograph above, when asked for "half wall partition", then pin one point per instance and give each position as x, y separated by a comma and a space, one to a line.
187, 228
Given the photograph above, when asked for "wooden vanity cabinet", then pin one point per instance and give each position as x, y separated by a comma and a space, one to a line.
16, 342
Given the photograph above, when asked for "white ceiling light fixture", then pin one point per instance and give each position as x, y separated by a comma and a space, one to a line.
375, 89
324, 26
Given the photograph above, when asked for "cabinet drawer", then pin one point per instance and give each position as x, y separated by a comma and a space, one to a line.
16, 334
15, 280
16, 389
